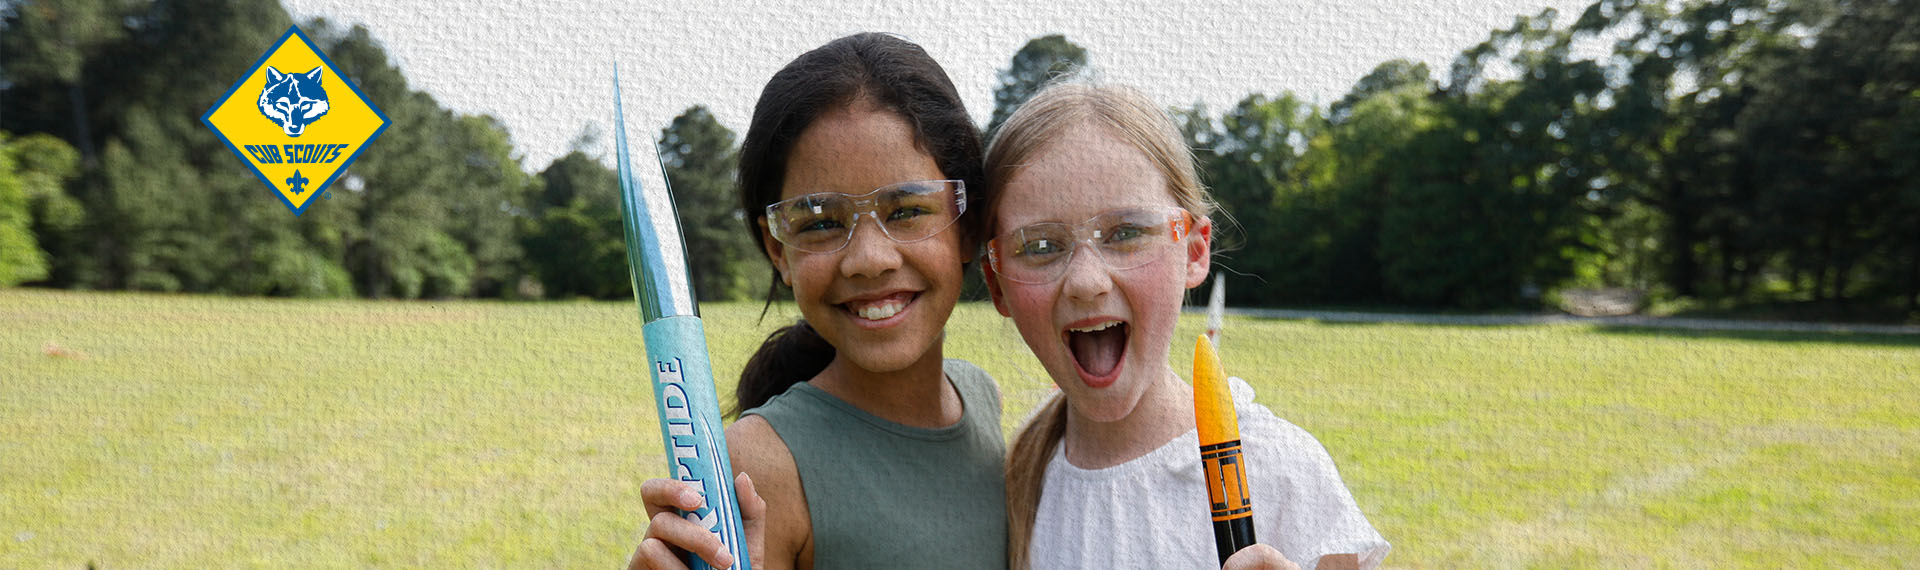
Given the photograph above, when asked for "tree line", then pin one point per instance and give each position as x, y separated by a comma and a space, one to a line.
1733, 152
1741, 151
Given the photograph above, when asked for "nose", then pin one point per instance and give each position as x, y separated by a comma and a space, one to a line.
870, 253
1087, 275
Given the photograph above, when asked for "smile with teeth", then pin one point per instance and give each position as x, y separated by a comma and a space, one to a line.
879, 309
1097, 350
1096, 328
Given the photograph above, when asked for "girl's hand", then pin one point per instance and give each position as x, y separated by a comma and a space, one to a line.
1258, 557
668, 535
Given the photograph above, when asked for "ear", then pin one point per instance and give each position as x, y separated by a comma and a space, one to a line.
776, 252
314, 75
274, 75
1199, 251
993, 287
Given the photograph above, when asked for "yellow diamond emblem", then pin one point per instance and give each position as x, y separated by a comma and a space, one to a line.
295, 121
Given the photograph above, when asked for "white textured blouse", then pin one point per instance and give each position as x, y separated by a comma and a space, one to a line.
1152, 512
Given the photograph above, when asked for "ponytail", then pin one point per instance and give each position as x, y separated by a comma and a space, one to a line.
791, 355
1027, 471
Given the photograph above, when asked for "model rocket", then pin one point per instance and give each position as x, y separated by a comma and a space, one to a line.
1226, 471
696, 447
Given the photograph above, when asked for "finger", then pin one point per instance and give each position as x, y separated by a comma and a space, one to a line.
751, 505
680, 533
1260, 557
753, 512
654, 555
662, 495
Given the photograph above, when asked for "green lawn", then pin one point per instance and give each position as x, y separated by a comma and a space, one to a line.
197, 432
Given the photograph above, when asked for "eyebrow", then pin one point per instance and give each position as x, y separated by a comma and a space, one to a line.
906, 189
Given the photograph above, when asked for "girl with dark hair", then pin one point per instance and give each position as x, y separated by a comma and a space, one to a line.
866, 447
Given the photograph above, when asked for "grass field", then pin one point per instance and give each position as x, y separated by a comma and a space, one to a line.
144, 431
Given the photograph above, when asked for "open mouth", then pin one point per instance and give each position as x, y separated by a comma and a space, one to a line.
880, 310
1097, 350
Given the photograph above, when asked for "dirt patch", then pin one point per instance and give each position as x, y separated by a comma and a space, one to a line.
1602, 302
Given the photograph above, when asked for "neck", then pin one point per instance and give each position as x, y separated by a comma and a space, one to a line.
918, 395
1164, 412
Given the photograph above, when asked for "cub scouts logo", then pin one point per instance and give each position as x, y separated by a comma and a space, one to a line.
295, 120
293, 101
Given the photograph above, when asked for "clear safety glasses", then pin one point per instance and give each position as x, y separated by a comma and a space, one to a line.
1125, 239
907, 212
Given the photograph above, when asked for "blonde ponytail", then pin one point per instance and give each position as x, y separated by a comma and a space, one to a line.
1027, 471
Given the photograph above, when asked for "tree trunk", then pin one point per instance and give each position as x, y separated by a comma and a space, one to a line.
1680, 239
1823, 270
1913, 284
82, 134
1756, 265
1727, 271
1841, 270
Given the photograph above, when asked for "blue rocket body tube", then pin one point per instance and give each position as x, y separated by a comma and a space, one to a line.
690, 426
683, 390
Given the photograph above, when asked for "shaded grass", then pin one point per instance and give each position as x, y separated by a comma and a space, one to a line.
258, 433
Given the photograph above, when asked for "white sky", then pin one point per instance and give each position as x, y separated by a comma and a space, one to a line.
545, 68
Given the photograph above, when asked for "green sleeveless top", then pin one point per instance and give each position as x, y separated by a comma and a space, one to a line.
886, 495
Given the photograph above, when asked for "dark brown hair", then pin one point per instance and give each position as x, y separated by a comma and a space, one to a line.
895, 75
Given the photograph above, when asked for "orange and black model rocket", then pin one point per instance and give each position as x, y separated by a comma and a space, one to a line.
1226, 471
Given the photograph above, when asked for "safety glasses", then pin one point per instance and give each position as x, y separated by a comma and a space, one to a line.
907, 212
1125, 239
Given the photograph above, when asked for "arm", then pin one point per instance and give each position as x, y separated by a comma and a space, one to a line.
788, 526
773, 508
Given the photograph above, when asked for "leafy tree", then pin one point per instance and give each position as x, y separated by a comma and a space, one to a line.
32, 170
167, 208
1041, 60
488, 193
54, 43
436, 216
157, 214
1500, 211
36, 170
1360, 162
1254, 173
574, 240
698, 155
1839, 105
1389, 76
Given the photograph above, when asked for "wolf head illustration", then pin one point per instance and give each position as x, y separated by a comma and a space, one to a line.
293, 100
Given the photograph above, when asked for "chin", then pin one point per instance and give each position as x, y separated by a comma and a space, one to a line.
888, 357
1103, 406
894, 349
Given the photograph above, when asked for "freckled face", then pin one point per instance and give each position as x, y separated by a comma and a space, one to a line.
1101, 333
883, 305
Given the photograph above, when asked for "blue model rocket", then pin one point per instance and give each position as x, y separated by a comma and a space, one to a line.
677, 351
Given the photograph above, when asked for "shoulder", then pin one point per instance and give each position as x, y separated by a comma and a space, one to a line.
757, 450
751, 441
785, 404
1289, 466
970, 379
1272, 438
963, 371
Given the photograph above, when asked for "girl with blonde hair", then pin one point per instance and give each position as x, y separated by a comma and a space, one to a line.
1100, 226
